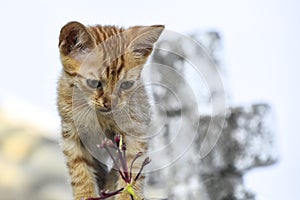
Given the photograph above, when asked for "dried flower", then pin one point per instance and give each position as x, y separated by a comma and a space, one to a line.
120, 162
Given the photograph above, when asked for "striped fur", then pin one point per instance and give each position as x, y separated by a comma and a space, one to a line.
112, 56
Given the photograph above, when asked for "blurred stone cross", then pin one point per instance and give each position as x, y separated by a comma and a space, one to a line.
205, 144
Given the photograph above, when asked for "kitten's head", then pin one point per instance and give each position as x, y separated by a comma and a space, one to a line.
105, 62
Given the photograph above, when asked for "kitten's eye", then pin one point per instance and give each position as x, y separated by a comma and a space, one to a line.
93, 83
126, 85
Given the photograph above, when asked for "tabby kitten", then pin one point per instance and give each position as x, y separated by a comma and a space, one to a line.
100, 94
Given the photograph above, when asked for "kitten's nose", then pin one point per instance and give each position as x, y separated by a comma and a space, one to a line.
107, 104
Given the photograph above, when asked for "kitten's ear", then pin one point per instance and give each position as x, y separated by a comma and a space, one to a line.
75, 39
142, 39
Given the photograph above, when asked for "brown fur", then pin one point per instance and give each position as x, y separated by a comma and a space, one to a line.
111, 55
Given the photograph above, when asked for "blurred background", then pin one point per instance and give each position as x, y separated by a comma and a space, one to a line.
261, 48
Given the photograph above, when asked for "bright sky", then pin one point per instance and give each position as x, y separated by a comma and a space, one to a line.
261, 43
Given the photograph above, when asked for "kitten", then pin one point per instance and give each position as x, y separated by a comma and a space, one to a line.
100, 94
